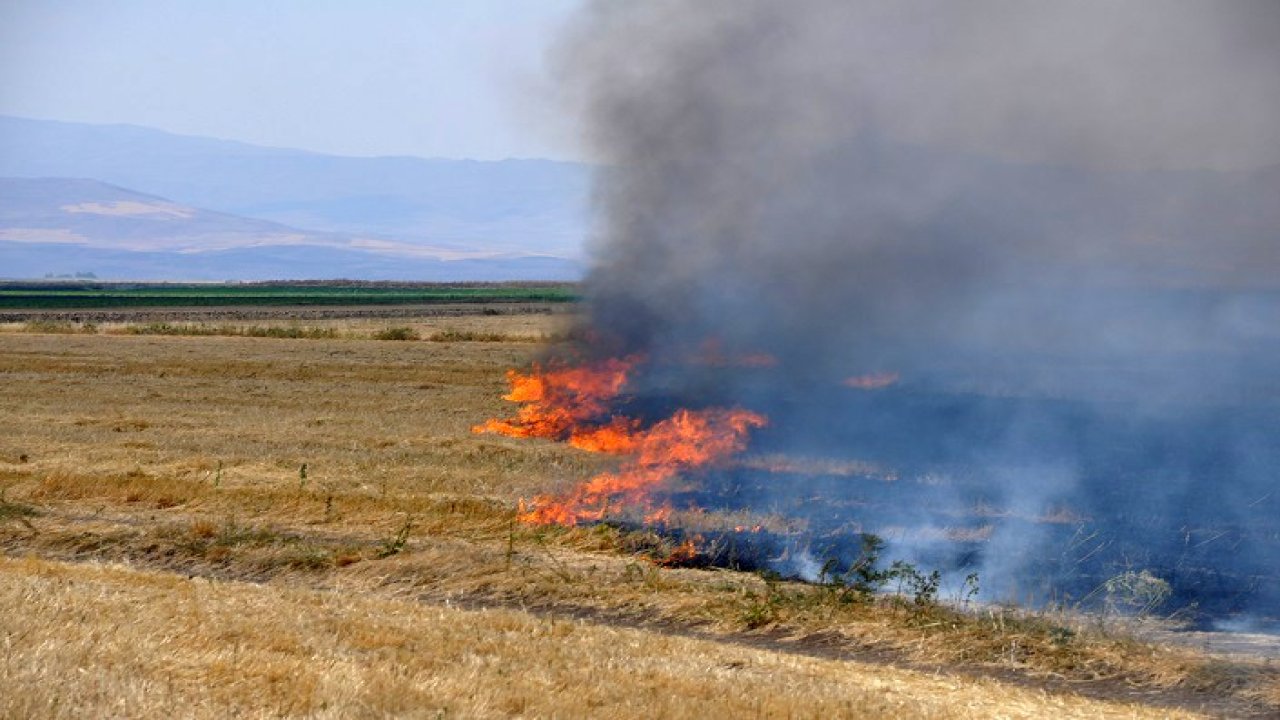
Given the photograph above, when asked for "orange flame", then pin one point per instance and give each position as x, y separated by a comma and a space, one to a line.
871, 381
683, 553
558, 399
758, 360
616, 438
659, 516
687, 440
711, 354
569, 403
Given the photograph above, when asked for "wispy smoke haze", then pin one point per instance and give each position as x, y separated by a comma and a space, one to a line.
1058, 223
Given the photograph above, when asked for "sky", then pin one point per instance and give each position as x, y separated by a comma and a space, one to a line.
431, 78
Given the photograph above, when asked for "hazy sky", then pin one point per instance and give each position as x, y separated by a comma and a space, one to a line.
382, 77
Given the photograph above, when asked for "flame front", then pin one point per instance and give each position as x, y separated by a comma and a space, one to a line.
558, 400
572, 404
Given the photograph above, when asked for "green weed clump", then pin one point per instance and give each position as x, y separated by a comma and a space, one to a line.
397, 333
193, 329
60, 327
901, 586
17, 512
262, 547
469, 336
488, 337
303, 333
394, 545
161, 328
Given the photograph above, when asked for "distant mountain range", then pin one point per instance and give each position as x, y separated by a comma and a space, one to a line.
60, 226
134, 203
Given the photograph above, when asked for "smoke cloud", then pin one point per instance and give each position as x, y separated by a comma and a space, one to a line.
1057, 223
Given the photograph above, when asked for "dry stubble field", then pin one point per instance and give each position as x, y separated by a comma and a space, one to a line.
214, 526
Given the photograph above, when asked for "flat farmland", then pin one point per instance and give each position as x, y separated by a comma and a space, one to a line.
82, 295
200, 520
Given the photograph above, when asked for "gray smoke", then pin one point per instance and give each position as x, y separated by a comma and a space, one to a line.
1059, 222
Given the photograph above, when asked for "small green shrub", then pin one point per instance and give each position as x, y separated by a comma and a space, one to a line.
301, 333
468, 336
397, 333
17, 512
60, 327
757, 613
921, 587
865, 578
394, 545
162, 328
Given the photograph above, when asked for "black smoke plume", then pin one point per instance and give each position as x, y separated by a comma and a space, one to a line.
1058, 224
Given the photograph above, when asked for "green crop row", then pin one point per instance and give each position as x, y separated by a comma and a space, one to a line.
218, 295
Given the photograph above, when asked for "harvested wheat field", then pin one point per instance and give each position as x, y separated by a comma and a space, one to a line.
208, 521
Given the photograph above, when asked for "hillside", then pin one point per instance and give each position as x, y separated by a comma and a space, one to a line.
63, 226
1125, 226
513, 206
1122, 226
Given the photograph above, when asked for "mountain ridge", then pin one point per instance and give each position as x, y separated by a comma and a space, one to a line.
525, 206
64, 226
1164, 227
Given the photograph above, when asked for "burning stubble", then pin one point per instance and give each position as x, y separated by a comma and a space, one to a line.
1025, 257
572, 403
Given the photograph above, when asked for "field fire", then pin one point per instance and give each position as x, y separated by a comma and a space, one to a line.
820, 358
572, 403
1045, 334
936, 495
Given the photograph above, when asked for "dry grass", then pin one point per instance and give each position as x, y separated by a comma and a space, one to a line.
93, 641
348, 464
519, 328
